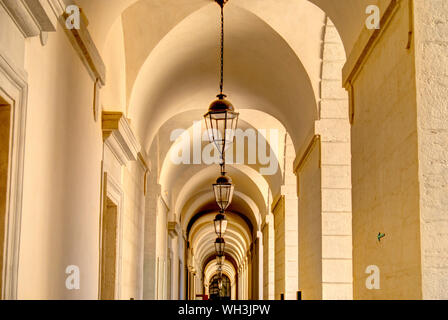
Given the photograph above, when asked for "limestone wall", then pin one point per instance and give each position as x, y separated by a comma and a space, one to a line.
61, 194
62, 190
12, 41
268, 259
431, 42
279, 226
310, 227
334, 130
161, 250
385, 168
133, 232
113, 95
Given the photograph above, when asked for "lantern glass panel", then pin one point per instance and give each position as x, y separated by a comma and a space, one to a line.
220, 246
223, 195
220, 225
221, 128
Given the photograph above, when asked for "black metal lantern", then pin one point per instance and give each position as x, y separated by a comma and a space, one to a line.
221, 121
221, 118
223, 189
220, 245
220, 223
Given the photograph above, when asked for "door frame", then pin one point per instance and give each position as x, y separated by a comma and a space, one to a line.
112, 191
13, 89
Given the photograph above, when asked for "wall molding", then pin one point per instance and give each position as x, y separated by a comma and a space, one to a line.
14, 89
81, 41
84, 45
365, 43
173, 229
119, 137
147, 170
32, 17
362, 49
301, 158
113, 191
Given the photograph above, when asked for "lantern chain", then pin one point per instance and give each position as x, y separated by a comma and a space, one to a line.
221, 84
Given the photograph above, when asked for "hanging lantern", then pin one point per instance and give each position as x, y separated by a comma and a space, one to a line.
220, 283
221, 119
223, 189
220, 246
220, 223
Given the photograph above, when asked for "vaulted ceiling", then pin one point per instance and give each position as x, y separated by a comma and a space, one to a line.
166, 74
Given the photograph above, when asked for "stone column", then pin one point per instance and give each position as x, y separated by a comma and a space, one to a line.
285, 210
173, 232
431, 61
323, 169
286, 224
243, 285
334, 130
150, 254
182, 267
250, 265
259, 266
268, 257
245, 279
240, 283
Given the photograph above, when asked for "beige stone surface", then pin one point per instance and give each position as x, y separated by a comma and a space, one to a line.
385, 171
268, 260
12, 40
310, 228
61, 194
431, 60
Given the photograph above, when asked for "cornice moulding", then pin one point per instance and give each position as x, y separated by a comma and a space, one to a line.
173, 229
83, 43
366, 41
118, 135
31, 16
59, 6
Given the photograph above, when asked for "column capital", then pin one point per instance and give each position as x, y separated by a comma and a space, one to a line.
173, 229
32, 17
119, 136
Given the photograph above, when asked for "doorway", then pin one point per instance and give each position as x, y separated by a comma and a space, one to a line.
109, 248
220, 288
